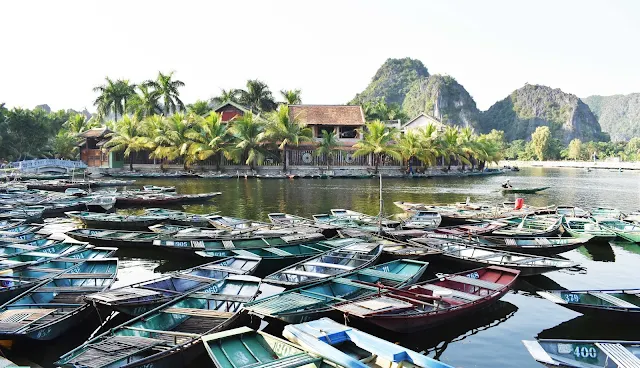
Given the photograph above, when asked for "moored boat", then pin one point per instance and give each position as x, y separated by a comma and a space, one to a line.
538, 226
350, 347
10, 232
572, 211
9, 223
182, 218
422, 219
621, 304
395, 249
280, 218
474, 228
115, 221
626, 230
542, 246
234, 223
156, 188
315, 300
585, 353
606, 212
524, 190
477, 256
363, 218
579, 227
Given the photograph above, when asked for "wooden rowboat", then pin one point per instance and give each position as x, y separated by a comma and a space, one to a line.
181, 218
363, 218
528, 226
621, 304
540, 246
524, 190
9, 223
433, 302
338, 261
18, 230
626, 230
606, 213
50, 309
579, 227
395, 249
585, 353
572, 211
142, 297
279, 218
349, 347
315, 300
475, 256
422, 219
115, 221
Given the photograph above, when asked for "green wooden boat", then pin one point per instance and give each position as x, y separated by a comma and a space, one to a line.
314, 301
115, 221
606, 213
50, 309
625, 230
169, 336
244, 347
181, 218
579, 227
538, 226
585, 353
524, 190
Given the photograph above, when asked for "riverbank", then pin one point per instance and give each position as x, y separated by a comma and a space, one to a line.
609, 165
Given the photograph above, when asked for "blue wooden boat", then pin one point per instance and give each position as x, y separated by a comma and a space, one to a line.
244, 347
30, 214
585, 353
45, 248
9, 223
21, 238
349, 347
347, 258
169, 336
31, 245
18, 230
18, 279
142, 297
49, 309
315, 300
620, 304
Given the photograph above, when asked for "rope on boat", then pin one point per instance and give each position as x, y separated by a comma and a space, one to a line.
97, 311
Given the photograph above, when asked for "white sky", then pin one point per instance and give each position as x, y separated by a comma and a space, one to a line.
55, 52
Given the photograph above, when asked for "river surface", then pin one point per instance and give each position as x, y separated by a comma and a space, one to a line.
485, 339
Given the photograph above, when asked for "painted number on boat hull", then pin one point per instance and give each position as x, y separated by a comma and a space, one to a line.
585, 352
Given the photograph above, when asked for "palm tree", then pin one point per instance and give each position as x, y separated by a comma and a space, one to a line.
467, 145
178, 127
78, 123
157, 130
113, 97
248, 133
328, 145
128, 137
146, 103
226, 95
410, 146
450, 148
291, 97
168, 91
257, 96
200, 107
430, 145
378, 139
210, 137
281, 128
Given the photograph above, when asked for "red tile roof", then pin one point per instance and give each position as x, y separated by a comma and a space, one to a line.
327, 114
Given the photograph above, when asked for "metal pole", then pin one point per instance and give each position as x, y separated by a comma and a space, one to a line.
381, 204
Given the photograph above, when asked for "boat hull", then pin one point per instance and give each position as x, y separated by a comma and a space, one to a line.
524, 271
538, 251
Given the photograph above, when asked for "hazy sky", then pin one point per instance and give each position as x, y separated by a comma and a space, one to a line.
55, 52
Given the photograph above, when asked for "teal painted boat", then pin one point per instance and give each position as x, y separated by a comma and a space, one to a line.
538, 226
181, 218
114, 221
9, 223
18, 230
142, 297
39, 248
169, 336
606, 213
610, 305
626, 230
350, 347
30, 244
50, 309
585, 353
244, 347
28, 237
16, 280
579, 227
315, 300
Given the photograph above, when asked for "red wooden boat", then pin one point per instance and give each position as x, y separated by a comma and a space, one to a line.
432, 302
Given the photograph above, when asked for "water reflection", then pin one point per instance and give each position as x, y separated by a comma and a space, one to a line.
532, 284
589, 328
599, 252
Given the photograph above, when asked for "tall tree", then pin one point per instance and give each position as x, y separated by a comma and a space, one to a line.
179, 126
249, 140
575, 149
541, 142
79, 123
145, 103
429, 142
450, 147
378, 140
292, 96
200, 107
226, 95
257, 96
328, 145
287, 131
128, 137
210, 137
113, 97
167, 88
409, 146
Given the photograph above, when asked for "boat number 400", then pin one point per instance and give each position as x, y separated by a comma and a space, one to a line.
585, 352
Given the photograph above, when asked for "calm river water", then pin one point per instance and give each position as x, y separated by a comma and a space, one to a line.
486, 339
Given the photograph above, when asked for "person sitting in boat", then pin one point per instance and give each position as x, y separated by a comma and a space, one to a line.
507, 184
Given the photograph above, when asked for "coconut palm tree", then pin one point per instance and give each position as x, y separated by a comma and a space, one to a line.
450, 147
145, 103
291, 97
200, 107
113, 97
328, 145
287, 131
429, 142
210, 137
249, 140
129, 137
156, 130
178, 127
378, 140
226, 95
167, 88
409, 146
257, 96
78, 123
468, 146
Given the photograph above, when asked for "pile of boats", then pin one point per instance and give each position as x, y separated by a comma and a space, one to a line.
305, 272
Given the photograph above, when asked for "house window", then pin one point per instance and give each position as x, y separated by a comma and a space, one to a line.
348, 132
320, 128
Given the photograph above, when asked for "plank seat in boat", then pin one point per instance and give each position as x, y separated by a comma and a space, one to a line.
476, 282
305, 273
15, 319
373, 306
69, 289
383, 275
528, 260
228, 244
86, 275
199, 312
297, 360
345, 281
285, 303
223, 269
113, 349
278, 252
613, 300
454, 293
330, 265
124, 294
194, 278
619, 354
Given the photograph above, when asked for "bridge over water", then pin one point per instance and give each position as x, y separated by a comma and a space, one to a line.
48, 165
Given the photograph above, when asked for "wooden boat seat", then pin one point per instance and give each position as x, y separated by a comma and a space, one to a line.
454, 293
112, 349
510, 241
305, 273
284, 303
330, 265
527, 260
194, 278
383, 275
13, 320
613, 300
85, 276
69, 289
231, 270
476, 282
300, 237
199, 312
375, 305
619, 354
228, 244
278, 251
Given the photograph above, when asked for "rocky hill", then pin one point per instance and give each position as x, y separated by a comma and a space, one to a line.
618, 115
531, 106
443, 97
392, 81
